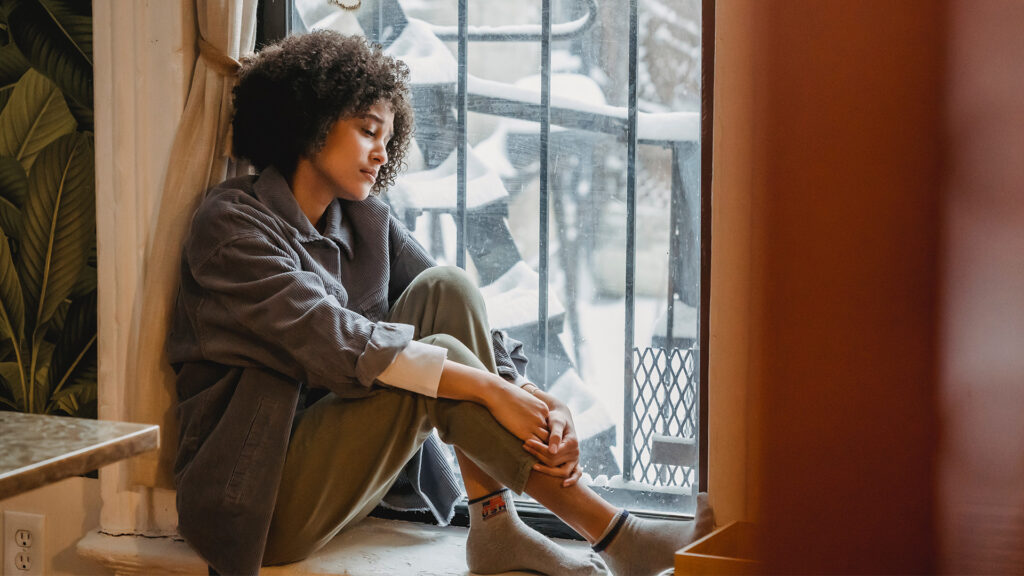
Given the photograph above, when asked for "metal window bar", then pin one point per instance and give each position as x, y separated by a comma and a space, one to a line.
463, 136
545, 134
707, 108
631, 136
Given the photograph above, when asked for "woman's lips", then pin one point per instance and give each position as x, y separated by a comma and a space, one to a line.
370, 176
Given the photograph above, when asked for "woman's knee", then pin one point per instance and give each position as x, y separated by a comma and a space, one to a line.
448, 280
457, 351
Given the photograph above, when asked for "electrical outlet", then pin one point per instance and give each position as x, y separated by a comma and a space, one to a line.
23, 561
23, 543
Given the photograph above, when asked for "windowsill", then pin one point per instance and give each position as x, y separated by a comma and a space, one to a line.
374, 547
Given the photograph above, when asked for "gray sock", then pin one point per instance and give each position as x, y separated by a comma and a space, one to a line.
644, 547
500, 542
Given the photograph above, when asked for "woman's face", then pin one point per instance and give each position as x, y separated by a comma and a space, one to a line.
355, 149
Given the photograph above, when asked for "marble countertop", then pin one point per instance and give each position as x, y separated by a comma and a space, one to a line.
36, 450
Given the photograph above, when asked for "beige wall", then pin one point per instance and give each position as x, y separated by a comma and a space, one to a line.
72, 509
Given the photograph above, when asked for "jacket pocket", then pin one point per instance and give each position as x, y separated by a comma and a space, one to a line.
246, 469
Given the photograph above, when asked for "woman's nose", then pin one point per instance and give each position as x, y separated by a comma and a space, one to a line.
379, 154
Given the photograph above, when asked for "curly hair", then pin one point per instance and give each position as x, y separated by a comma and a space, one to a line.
291, 93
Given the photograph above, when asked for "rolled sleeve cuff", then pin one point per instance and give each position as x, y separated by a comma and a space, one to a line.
386, 341
417, 368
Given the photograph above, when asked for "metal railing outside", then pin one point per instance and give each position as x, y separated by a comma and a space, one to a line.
660, 385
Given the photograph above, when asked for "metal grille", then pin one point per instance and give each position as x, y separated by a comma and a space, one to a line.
664, 403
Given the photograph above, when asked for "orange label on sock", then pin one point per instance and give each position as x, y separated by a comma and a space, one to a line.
493, 506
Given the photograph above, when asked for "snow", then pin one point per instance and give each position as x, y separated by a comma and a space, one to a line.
429, 60
665, 126
494, 153
559, 29
669, 126
582, 89
512, 299
319, 15
684, 322
618, 483
437, 189
588, 411
565, 61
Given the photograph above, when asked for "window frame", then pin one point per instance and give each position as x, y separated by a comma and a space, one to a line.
274, 21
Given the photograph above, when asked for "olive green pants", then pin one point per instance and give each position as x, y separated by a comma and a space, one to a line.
345, 454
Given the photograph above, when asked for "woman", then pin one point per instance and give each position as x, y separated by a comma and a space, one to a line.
317, 346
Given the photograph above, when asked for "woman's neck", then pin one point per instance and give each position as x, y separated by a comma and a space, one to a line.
312, 193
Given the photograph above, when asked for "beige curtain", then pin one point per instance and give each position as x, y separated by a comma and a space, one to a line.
199, 159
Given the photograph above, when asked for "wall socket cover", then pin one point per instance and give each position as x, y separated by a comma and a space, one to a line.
23, 543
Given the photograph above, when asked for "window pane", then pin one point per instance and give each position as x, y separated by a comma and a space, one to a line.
586, 202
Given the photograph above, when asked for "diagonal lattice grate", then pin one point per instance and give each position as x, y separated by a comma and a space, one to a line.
665, 403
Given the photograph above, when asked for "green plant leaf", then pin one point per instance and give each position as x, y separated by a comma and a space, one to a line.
5, 94
35, 116
78, 400
59, 225
76, 394
56, 38
11, 376
83, 114
77, 341
13, 187
55, 325
12, 303
42, 352
12, 65
87, 282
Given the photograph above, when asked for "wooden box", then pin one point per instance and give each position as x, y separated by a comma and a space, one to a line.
731, 549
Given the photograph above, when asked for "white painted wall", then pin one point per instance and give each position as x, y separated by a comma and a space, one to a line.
72, 509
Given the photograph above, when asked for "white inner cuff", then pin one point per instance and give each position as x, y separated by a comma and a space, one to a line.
417, 368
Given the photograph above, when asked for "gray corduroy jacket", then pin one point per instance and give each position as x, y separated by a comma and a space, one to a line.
268, 309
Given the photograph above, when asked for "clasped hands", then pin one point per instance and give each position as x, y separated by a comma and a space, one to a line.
545, 425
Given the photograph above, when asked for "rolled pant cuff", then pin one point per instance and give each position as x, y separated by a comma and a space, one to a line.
522, 475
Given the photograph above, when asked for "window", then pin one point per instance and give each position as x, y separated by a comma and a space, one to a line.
590, 249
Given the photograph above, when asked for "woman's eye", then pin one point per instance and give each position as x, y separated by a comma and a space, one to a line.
370, 133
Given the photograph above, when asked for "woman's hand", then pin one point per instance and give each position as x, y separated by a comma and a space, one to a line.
521, 413
559, 456
517, 410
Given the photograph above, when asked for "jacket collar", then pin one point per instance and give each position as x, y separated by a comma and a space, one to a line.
273, 191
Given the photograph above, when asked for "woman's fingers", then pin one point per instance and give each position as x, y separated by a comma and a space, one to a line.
574, 477
569, 450
563, 471
571, 445
536, 444
555, 438
540, 452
